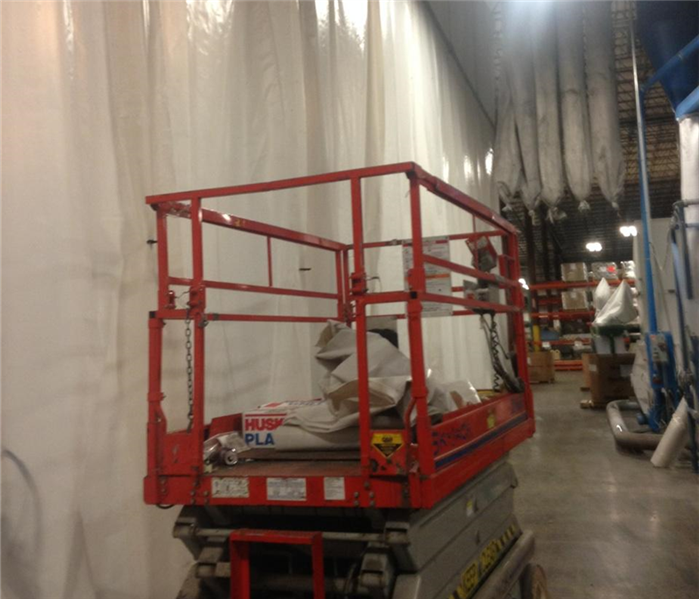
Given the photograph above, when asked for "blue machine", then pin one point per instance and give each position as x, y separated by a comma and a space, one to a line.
668, 31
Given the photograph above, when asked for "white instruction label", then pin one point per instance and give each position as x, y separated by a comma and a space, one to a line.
230, 487
286, 489
334, 488
437, 278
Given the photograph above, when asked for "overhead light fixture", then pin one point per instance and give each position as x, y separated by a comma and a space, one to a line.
628, 230
594, 246
523, 283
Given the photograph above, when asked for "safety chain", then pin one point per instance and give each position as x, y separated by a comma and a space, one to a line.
190, 371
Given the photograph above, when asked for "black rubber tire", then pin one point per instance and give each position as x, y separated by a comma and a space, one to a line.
534, 583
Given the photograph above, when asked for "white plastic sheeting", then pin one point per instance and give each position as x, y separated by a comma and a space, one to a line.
507, 167
618, 309
575, 118
519, 64
601, 295
607, 155
106, 102
547, 112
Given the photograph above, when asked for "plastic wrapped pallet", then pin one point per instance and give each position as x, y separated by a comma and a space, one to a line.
519, 64
507, 167
627, 269
547, 113
604, 270
575, 118
608, 160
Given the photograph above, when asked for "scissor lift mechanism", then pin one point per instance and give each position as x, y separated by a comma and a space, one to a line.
427, 467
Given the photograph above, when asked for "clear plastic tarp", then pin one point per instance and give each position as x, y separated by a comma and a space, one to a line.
104, 103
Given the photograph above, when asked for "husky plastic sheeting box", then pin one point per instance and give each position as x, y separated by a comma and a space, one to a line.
259, 424
610, 377
541, 368
574, 299
573, 272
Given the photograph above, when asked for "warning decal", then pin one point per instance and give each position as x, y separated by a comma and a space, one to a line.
286, 489
235, 487
492, 420
472, 577
387, 443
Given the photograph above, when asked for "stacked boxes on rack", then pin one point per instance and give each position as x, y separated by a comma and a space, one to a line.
574, 299
574, 272
541, 367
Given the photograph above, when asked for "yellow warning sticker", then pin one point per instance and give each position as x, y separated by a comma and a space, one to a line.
491, 420
471, 578
387, 443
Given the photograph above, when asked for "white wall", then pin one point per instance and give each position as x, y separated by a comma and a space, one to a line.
104, 103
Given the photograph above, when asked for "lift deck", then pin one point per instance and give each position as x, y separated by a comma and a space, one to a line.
432, 517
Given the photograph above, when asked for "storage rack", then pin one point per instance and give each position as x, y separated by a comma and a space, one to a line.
426, 467
556, 287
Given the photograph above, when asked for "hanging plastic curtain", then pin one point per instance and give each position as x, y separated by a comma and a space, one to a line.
507, 167
519, 65
575, 117
608, 161
547, 112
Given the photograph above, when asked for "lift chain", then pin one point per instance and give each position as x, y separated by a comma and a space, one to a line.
190, 371
494, 352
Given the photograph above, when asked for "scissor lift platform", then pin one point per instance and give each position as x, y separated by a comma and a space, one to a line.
430, 461
468, 546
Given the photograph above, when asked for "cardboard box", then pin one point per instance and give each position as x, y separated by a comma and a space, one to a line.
610, 377
259, 424
540, 366
604, 270
572, 272
574, 299
586, 371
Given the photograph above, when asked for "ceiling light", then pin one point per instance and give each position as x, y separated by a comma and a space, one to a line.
523, 283
594, 246
628, 230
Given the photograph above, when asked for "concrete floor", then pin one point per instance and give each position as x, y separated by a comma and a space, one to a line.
607, 524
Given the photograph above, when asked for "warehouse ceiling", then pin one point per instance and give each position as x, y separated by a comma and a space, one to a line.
602, 222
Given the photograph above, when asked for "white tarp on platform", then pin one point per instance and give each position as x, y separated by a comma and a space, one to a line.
104, 103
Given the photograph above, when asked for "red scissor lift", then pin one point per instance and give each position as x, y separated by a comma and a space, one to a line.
431, 461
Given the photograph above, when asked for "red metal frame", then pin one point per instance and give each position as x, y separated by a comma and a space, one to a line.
239, 542
443, 457
562, 285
